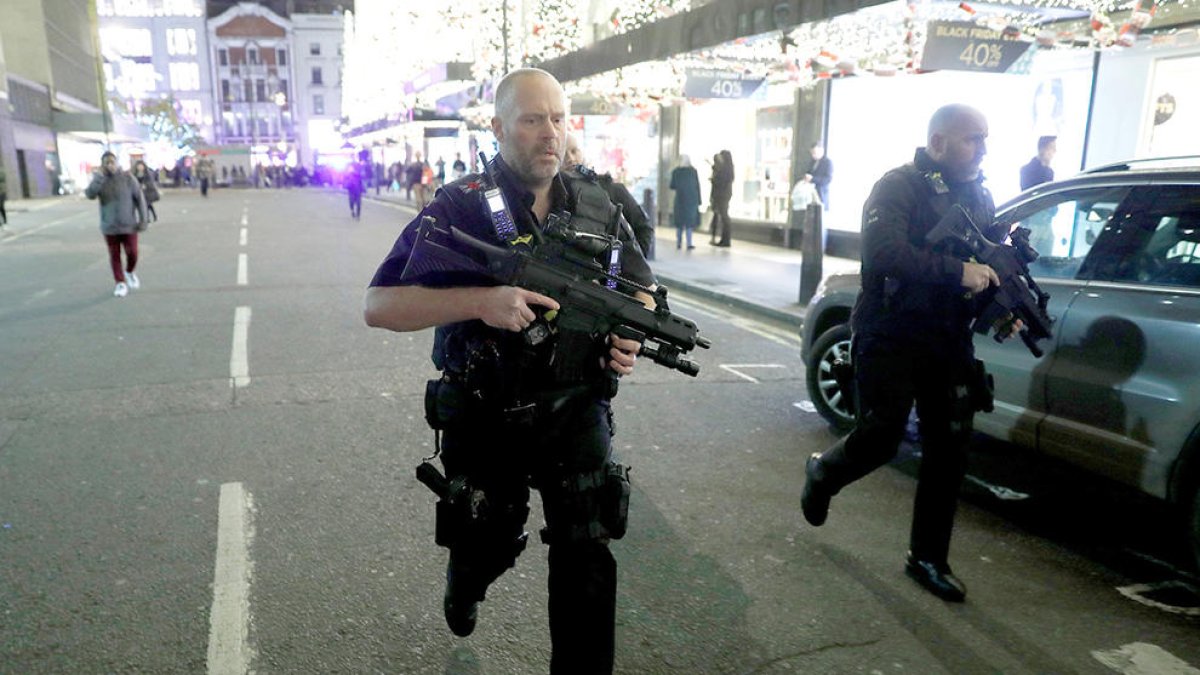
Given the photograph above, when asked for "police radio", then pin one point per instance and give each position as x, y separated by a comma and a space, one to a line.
497, 207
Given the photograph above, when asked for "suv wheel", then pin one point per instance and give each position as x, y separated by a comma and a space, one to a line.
823, 389
1193, 526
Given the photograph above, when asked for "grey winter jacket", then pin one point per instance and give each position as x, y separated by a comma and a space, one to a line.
122, 206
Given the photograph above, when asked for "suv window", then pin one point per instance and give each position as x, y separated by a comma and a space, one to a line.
1063, 226
1160, 242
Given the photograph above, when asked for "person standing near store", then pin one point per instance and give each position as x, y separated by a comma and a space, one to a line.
685, 214
1038, 170
205, 171
618, 194
820, 173
514, 412
145, 179
3, 196
912, 340
122, 216
721, 195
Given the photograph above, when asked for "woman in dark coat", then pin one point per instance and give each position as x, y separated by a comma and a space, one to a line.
145, 178
722, 193
686, 213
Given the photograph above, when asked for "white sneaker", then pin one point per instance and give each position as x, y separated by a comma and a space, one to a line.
134, 282
121, 290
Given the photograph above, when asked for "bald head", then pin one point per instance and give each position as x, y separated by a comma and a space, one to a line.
574, 155
957, 140
530, 125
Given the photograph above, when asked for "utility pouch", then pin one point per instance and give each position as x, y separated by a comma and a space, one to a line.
614, 501
983, 388
435, 421
449, 523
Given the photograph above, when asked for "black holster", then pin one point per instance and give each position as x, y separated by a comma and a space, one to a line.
983, 388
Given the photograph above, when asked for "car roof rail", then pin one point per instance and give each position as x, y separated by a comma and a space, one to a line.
1175, 162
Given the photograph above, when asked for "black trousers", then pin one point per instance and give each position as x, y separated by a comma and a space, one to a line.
355, 203
891, 377
567, 438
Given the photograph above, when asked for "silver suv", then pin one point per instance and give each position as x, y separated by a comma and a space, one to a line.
1116, 392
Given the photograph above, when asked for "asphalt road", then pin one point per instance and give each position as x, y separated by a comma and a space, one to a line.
215, 474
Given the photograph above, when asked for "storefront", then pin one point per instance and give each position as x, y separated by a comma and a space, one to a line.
619, 140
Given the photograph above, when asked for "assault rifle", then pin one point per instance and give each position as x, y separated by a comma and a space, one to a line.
563, 267
1018, 296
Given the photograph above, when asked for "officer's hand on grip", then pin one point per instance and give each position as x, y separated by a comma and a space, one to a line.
976, 277
623, 354
508, 307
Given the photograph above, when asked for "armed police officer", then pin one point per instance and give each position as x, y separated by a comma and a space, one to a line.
912, 340
517, 411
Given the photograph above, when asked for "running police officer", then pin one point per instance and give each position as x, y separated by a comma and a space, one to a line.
561, 444
912, 340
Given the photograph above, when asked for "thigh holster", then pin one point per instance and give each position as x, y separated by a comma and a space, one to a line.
587, 506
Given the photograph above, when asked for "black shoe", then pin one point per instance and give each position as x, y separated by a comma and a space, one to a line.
936, 578
461, 612
814, 500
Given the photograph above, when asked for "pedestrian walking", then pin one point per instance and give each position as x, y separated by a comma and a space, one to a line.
720, 196
204, 172
122, 217
491, 449
686, 212
146, 181
354, 188
912, 341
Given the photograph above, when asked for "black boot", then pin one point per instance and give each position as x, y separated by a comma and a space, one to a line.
814, 499
936, 578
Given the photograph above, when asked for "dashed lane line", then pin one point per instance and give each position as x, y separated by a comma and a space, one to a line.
239, 359
229, 650
242, 269
242, 237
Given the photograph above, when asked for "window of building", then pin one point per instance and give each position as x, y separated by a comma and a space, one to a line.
253, 56
316, 75
128, 42
191, 111
248, 90
260, 90
314, 48
223, 56
281, 57
185, 76
283, 89
226, 93
181, 41
318, 104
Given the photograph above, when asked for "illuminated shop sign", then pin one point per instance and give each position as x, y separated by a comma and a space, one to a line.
962, 45
720, 84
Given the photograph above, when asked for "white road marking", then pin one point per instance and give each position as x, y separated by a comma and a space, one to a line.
39, 228
242, 237
785, 338
733, 368
229, 650
1141, 658
243, 263
239, 359
1136, 592
245, 220
806, 405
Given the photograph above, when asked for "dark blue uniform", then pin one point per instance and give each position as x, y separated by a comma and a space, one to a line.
913, 343
563, 449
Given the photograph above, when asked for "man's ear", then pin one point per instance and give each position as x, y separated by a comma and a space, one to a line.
937, 144
497, 129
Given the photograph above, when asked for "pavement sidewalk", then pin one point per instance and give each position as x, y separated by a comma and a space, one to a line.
762, 279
